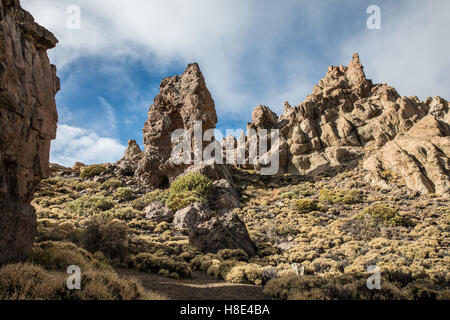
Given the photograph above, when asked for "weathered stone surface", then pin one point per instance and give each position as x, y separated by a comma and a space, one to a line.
223, 196
128, 165
190, 217
224, 232
28, 117
158, 212
421, 156
182, 101
347, 118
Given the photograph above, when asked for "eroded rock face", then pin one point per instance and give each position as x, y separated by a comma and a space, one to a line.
182, 101
347, 118
28, 117
128, 165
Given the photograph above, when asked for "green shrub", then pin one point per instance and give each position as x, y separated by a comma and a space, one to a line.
142, 202
340, 196
106, 235
181, 200
305, 205
86, 206
190, 188
124, 193
192, 182
92, 171
152, 263
379, 214
112, 183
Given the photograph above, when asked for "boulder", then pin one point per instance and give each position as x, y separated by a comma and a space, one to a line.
158, 212
224, 232
193, 215
28, 117
223, 196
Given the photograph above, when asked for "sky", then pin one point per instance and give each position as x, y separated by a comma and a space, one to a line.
251, 52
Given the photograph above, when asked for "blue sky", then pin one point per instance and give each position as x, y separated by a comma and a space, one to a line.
251, 53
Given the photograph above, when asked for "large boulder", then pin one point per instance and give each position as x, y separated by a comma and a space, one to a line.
158, 212
28, 117
128, 165
193, 215
183, 102
226, 231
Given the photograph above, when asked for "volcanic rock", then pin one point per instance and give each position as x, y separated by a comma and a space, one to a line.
28, 117
182, 102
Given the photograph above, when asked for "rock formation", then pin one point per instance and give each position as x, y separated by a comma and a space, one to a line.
128, 165
182, 101
347, 118
28, 117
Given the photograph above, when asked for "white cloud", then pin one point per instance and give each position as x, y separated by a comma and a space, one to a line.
411, 51
77, 144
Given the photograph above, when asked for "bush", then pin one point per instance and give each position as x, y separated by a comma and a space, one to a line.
152, 263
106, 235
245, 273
379, 214
229, 254
124, 194
142, 202
190, 188
30, 282
92, 171
340, 196
183, 199
58, 256
86, 206
192, 182
305, 206
112, 183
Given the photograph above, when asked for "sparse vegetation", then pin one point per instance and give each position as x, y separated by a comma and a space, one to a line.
190, 188
92, 171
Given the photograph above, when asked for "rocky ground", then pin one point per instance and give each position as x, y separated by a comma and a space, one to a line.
331, 226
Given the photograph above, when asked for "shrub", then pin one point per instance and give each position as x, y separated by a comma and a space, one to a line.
245, 273
339, 196
178, 201
112, 183
30, 282
142, 202
229, 254
92, 171
48, 230
190, 188
192, 182
305, 205
86, 206
57, 256
379, 214
152, 263
106, 235
124, 194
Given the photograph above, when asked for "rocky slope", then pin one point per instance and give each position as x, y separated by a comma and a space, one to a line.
347, 119
28, 116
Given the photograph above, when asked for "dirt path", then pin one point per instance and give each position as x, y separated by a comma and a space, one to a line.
199, 287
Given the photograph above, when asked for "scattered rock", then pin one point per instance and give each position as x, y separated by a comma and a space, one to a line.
158, 212
28, 117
